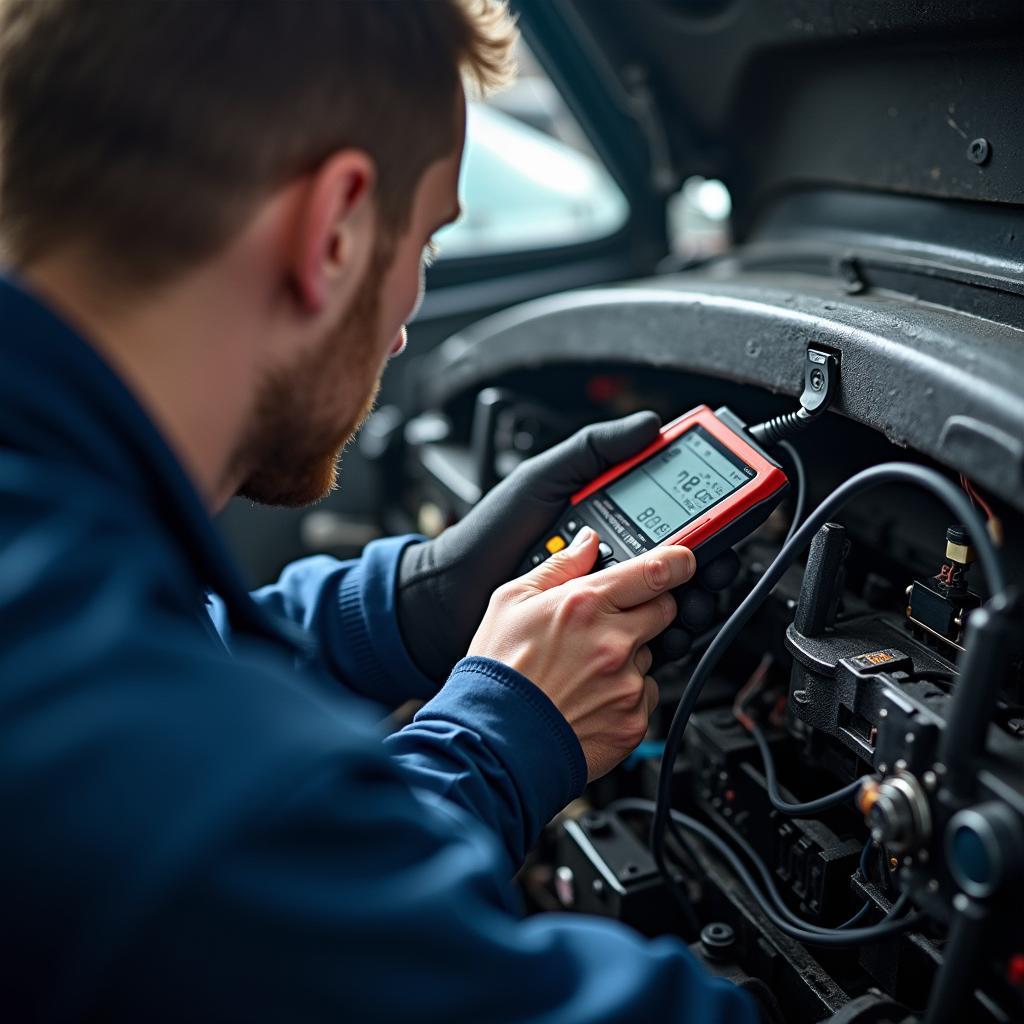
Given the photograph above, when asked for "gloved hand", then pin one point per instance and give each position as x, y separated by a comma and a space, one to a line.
444, 584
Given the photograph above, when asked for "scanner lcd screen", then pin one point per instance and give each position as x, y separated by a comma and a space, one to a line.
674, 486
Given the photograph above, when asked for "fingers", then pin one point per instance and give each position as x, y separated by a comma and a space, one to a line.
651, 694
720, 572
568, 564
615, 440
637, 581
643, 660
590, 451
646, 621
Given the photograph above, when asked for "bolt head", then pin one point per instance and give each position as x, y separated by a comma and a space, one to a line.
817, 379
979, 151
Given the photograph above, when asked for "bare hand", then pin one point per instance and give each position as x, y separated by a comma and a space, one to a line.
582, 639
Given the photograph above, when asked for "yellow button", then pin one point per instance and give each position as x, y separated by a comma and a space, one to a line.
555, 543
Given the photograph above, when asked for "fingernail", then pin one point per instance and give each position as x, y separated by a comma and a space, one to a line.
691, 563
684, 565
582, 537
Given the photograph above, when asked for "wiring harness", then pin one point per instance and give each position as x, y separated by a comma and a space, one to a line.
666, 820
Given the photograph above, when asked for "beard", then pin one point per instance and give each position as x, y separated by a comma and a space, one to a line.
292, 448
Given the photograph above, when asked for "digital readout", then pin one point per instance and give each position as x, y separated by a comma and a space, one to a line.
675, 486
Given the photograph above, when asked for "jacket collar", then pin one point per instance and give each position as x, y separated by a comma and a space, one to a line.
61, 401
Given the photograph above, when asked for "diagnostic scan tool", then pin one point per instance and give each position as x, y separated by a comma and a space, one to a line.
704, 483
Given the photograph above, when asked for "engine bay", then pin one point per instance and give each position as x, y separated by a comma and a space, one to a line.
846, 835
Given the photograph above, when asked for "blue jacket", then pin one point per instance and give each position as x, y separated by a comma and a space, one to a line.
208, 823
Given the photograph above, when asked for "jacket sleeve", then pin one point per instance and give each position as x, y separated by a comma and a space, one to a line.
494, 744
360, 888
348, 608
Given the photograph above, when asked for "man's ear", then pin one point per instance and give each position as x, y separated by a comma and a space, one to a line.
333, 225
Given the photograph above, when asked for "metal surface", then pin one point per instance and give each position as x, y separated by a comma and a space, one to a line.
767, 95
904, 365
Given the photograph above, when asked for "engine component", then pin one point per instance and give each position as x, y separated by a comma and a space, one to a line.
897, 812
940, 607
602, 868
985, 846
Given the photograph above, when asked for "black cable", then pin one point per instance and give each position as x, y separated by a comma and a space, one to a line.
857, 917
865, 856
864, 481
892, 924
772, 431
801, 487
682, 901
769, 883
822, 803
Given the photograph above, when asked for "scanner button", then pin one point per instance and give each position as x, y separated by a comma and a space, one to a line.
604, 550
554, 544
572, 526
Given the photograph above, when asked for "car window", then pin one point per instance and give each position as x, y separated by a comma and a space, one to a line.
529, 178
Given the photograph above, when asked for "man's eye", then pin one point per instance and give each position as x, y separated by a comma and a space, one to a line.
430, 253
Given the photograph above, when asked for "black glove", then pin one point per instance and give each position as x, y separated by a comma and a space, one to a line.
444, 584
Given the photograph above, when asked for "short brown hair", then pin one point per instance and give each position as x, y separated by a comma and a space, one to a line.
147, 132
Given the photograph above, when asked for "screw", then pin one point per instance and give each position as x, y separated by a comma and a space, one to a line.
717, 939
817, 379
930, 780
979, 152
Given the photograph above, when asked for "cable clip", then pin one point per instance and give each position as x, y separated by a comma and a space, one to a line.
821, 378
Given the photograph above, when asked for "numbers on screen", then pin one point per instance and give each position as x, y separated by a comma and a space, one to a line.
654, 524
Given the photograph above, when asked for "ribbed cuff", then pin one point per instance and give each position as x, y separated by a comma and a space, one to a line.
367, 601
522, 727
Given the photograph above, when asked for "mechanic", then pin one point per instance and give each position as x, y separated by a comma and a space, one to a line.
213, 218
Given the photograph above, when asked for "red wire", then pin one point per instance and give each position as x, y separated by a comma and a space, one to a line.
975, 496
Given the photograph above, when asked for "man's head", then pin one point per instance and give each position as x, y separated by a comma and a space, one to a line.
300, 153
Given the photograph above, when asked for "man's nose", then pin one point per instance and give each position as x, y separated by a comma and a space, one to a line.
398, 345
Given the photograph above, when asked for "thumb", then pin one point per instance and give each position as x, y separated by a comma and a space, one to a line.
568, 564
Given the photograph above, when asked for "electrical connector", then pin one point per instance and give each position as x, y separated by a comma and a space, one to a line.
940, 606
